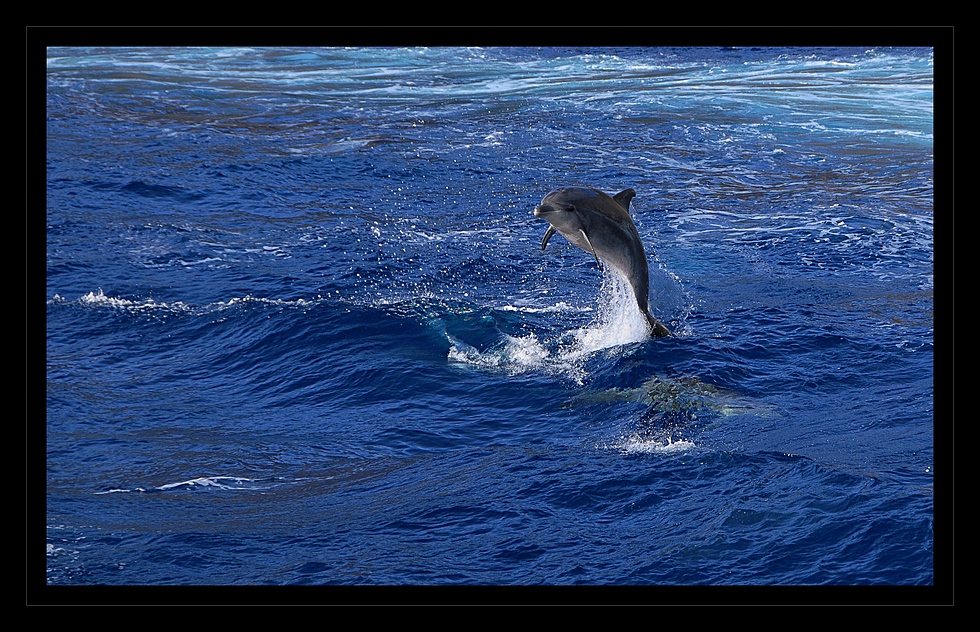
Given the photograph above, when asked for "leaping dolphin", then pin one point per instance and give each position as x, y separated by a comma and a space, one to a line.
601, 225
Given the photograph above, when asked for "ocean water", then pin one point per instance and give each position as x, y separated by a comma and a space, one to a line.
300, 329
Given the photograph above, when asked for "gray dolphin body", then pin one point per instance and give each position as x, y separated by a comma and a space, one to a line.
601, 225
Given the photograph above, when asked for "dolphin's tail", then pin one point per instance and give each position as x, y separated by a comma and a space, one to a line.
657, 328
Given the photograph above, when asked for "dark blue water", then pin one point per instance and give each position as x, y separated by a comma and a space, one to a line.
300, 329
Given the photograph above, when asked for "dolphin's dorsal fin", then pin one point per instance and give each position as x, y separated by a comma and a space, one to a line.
624, 198
590, 247
547, 235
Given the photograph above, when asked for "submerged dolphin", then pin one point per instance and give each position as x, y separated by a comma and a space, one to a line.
601, 225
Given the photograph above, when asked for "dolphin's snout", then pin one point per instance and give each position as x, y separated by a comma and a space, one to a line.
543, 209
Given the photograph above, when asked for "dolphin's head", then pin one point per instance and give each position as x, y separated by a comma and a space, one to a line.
564, 198
562, 209
559, 208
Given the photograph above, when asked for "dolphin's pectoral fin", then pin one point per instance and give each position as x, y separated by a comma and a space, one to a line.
590, 247
624, 198
547, 235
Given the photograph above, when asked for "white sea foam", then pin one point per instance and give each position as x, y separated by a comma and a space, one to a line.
635, 444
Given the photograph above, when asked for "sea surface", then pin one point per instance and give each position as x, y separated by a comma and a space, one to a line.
300, 329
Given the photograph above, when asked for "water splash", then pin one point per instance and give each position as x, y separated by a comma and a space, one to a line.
638, 444
617, 322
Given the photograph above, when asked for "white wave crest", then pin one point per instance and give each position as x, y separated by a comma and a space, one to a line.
147, 305
100, 299
234, 483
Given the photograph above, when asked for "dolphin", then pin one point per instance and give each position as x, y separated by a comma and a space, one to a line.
601, 225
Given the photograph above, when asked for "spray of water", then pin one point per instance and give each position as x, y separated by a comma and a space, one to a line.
618, 321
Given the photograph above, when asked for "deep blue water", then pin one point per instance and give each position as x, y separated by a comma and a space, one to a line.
300, 328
